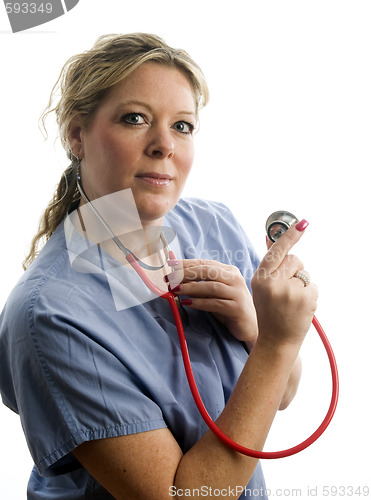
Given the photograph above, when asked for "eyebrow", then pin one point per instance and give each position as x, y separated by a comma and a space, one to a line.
145, 105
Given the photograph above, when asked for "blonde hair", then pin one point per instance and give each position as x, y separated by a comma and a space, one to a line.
83, 83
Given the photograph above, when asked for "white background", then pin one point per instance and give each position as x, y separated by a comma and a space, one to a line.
288, 127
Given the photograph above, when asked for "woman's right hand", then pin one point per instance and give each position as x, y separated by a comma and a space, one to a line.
284, 306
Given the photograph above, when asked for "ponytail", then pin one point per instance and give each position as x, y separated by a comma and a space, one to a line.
66, 198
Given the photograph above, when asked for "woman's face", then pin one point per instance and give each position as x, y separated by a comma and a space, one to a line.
141, 138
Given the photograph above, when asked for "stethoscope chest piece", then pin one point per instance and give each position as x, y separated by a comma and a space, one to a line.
278, 223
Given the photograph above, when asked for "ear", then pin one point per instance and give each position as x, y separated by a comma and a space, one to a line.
74, 136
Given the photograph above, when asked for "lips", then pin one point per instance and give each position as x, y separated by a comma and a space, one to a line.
155, 179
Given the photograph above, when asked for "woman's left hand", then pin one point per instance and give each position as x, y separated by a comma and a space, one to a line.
220, 289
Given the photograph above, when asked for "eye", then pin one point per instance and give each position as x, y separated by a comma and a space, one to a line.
134, 119
184, 127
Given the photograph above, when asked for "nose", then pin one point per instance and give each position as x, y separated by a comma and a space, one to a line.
161, 144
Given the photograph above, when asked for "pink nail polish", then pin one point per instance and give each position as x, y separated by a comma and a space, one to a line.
303, 224
173, 262
186, 302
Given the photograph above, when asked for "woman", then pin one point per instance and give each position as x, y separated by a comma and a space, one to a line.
100, 387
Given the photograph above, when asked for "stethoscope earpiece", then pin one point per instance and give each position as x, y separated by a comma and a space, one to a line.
278, 223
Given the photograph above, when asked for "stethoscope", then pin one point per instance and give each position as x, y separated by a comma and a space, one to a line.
276, 225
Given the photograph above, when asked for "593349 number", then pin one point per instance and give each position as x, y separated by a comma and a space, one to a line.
29, 8
345, 491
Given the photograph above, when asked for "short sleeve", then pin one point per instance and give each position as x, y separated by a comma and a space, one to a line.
75, 381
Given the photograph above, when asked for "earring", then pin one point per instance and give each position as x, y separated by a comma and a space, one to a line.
77, 161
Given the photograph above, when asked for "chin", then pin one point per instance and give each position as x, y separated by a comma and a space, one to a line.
154, 212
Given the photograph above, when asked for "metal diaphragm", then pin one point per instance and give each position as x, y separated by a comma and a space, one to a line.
278, 223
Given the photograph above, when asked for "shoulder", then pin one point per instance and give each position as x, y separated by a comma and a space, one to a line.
208, 218
49, 289
198, 217
33, 280
205, 209
208, 229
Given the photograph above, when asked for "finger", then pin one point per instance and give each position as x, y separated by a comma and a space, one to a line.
278, 251
205, 289
208, 305
204, 270
268, 242
191, 263
302, 282
289, 266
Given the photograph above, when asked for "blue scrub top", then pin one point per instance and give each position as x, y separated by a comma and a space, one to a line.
76, 366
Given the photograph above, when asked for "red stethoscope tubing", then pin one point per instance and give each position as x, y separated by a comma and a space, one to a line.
169, 296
